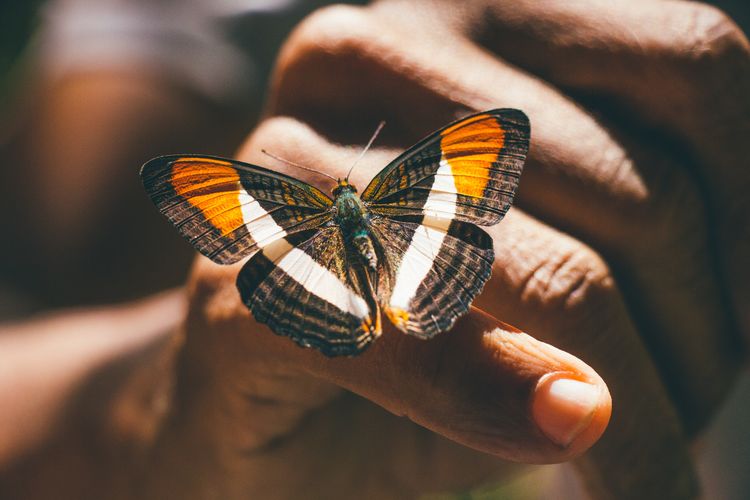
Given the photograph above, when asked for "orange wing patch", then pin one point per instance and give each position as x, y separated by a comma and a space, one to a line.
470, 149
212, 189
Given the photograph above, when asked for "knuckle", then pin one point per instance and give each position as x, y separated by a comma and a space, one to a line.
580, 292
712, 36
573, 281
705, 57
328, 59
329, 29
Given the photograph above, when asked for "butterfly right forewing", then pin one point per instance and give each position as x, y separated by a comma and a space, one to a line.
467, 171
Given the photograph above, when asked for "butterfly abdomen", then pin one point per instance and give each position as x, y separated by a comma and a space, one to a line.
365, 249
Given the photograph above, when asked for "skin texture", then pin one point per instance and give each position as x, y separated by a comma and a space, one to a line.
621, 266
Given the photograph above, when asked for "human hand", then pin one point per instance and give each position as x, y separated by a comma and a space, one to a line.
268, 419
593, 173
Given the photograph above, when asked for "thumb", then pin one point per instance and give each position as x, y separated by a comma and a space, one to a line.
484, 384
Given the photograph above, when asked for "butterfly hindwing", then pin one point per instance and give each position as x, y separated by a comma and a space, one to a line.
229, 209
313, 292
467, 171
432, 271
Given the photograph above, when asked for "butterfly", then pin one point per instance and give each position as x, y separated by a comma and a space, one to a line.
323, 270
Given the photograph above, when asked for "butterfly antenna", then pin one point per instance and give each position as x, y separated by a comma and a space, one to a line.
291, 163
372, 139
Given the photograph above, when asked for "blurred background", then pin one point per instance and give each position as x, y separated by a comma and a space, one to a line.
90, 90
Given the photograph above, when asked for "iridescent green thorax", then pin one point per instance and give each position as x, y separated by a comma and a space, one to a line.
352, 217
349, 211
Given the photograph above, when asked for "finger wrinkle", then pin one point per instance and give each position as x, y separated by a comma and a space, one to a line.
711, 35
566, 279
584, 151
615, 168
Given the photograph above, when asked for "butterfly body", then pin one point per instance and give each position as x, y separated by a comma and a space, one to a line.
324, 270
353, 219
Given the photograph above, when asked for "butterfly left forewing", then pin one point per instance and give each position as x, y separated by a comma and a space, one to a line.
228, 209
309, 289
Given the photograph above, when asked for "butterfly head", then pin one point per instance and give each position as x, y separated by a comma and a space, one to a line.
343, 186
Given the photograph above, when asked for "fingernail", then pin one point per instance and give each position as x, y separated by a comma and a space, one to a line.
563, 407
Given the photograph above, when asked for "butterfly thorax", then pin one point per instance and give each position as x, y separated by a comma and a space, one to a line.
352, 217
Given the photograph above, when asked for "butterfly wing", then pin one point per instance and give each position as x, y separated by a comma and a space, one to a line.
467, 171
313, 290
229, 209
432, 270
